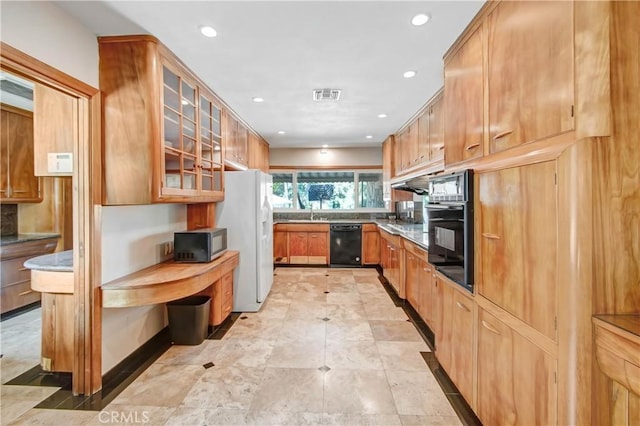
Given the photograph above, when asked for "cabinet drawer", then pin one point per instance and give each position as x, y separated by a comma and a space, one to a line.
13, 271
17, 295
227, 287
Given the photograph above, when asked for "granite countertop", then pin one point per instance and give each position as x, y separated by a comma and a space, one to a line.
61, 261
23, 238
416, 233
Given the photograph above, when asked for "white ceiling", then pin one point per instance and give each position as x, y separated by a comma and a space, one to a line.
281, 51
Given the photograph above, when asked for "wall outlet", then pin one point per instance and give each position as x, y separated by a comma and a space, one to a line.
168, 248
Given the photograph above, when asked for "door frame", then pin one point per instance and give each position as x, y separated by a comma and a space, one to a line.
87, 213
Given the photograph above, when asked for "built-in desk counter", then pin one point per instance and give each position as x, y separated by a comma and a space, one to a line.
171, 280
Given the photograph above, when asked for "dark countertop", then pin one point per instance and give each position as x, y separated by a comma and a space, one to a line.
23, 238
61, 261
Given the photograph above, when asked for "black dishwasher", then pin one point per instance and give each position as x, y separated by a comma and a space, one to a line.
345, 244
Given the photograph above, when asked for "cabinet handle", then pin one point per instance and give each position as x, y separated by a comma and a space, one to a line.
314, 236
422, 156
490, 236
470, 147
502, 134
23, 269
441, 148
427, 269
25, 293
462, 306
490, 327
392, 248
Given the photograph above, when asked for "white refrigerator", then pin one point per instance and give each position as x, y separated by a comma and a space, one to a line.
247, 214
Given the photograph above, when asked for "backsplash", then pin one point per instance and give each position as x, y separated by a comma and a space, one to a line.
8, 219
329, 216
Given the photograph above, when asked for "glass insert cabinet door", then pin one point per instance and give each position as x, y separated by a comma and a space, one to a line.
210, 145
192, 137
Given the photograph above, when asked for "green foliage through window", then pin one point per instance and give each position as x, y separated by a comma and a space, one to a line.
327, 190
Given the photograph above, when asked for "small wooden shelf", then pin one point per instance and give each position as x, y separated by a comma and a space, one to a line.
166, 281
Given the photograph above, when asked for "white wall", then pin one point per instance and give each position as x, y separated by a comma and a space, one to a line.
130, 234
132, 239
300, 157
46, 32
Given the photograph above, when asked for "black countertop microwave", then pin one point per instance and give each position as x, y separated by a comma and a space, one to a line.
200, 245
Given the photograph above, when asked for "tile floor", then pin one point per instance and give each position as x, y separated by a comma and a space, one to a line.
329, 347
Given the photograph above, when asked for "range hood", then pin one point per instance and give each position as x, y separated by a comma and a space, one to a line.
417, 184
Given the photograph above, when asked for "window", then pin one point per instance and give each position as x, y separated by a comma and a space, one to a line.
282, 190
328, 190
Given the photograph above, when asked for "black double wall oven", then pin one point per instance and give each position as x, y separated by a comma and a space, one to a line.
450, 226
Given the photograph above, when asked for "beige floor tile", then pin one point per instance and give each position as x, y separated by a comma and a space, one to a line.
255, 327
430, 420
418, 393
310, 295
273, 418
348, 330
134, 415
358, 392
35, 393
344, 298
161, 385
191, 354
352, 419
387, 311
374, 289
298, 354
365, 272
303, 330
11, 409
346, 312
187, 416
357, 355
228, 388
395, 331
244, 353
38, 416
274, 309
403, 355
290, 390
306, 310
341, 287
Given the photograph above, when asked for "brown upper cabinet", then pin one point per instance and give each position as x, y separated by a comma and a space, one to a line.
463, 101
419, 146
258, 153
162, 129
530, 72
18, 182
236, 141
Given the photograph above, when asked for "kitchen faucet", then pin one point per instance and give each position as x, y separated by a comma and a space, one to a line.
311, 212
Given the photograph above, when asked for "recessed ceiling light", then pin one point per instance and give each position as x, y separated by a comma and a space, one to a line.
382, 115
208, 31
420, 19
257, 99
281, 132
325, 146
369, 137
409, 74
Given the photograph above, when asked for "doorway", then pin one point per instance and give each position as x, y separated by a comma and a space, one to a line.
79, 188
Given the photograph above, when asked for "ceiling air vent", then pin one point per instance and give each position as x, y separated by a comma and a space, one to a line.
326, 94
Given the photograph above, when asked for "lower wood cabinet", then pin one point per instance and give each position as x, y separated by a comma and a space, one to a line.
392, 261
280, 247
454, 336
301, 244
222, 303
516, 379
370, 244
